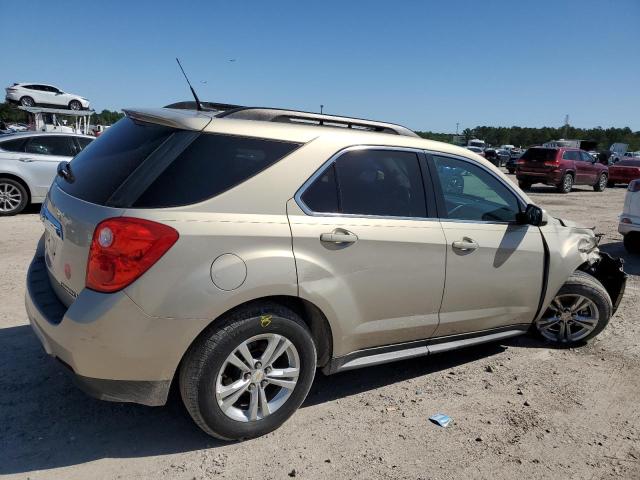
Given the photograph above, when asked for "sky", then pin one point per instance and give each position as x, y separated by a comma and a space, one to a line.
425, 64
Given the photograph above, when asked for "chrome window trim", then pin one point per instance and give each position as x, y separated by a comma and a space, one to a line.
298, 196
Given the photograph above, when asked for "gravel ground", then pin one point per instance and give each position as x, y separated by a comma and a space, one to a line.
520, 409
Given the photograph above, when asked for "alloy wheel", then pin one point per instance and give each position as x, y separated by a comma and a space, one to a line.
10, 197
569, 318
258, 377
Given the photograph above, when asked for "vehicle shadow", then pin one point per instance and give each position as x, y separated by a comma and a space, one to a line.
46, 422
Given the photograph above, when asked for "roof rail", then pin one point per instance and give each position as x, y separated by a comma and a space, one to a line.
308, 118
207, 106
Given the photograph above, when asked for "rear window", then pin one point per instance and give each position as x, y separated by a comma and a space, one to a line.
109, 160
540, 155
141, 165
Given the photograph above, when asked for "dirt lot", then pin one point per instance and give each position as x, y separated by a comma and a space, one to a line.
535, 413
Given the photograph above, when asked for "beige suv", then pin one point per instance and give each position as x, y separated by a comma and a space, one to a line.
234, 253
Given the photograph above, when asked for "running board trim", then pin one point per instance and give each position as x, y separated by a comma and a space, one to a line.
404, 351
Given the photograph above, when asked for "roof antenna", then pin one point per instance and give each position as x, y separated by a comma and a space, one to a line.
193, 92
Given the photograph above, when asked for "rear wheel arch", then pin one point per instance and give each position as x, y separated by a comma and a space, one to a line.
313, 317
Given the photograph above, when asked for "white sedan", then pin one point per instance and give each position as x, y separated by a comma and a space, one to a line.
32, 94
28, 165
629, 225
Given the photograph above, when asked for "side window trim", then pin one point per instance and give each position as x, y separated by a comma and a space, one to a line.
430, 196
440, 205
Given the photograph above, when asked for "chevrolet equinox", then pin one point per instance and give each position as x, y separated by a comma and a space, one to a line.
236, 252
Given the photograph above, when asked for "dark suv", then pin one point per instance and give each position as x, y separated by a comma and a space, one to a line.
562, 167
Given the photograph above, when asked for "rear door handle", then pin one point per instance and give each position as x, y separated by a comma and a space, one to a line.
465, 245
339, 236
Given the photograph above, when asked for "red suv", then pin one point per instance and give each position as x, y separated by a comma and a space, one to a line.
562, 167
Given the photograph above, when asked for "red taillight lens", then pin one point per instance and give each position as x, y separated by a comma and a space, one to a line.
634, 185
124, 248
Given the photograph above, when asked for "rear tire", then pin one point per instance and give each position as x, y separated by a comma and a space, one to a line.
611, 184
511, 170
524, 185
75, 105
579, 311
216, 362
13, 197
566, 184
602, 183
27, 101
632, 243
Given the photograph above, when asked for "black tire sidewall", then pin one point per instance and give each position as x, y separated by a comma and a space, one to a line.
584, 284
32, 101
24, 201
562, 186
213, 416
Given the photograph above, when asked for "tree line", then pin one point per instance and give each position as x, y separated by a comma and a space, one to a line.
10, 114
526, 137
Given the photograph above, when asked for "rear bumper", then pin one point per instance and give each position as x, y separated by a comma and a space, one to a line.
112, 348
552, 177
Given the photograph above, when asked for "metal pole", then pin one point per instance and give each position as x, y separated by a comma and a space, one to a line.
321, 108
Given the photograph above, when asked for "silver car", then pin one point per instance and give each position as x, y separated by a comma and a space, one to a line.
28, 163
235, 253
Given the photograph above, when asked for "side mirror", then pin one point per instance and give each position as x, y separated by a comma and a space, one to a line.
533, 215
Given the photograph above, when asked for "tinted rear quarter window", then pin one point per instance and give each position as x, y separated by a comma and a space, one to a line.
212, 164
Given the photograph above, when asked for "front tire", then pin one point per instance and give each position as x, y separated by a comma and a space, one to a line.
13, 197
632, 242
75, 105
566, 184
249, 373
579, 311
602, 183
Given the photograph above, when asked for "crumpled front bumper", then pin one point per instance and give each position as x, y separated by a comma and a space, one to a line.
610, 272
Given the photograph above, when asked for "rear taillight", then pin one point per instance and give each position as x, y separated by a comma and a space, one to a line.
634, 185
124, 248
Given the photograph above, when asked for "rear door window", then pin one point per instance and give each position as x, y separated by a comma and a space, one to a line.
366, 182
59, 145
571, 155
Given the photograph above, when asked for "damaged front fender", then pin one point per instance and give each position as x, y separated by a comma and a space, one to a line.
610, 272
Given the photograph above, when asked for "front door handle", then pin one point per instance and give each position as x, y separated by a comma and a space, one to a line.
465, 245
339, 236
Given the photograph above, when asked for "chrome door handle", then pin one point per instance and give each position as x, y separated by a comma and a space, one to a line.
25, 159
465, 245
339, 236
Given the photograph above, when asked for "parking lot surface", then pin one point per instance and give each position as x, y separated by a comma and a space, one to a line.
519, 408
